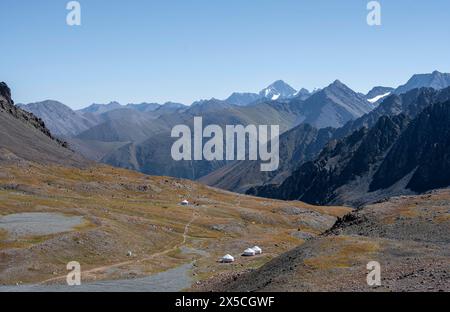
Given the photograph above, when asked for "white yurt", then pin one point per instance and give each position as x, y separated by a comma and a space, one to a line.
249, 252
227, 259
184, 203
257, 250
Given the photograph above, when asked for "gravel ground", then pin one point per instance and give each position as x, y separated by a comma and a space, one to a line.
29, 224
168, 281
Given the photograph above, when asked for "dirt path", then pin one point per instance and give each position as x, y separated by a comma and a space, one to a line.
91, 272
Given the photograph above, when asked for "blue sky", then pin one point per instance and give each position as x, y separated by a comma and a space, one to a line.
180, 50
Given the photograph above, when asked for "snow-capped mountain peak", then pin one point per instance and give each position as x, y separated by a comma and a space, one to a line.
278, 89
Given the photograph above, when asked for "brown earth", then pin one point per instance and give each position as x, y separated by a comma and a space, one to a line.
409, 236
127, 211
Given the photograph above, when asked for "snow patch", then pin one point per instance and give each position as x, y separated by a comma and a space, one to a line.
379, 97
275, 97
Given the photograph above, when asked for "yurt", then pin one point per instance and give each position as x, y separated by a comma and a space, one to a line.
257, 250
184, 203
227, 259
249, 252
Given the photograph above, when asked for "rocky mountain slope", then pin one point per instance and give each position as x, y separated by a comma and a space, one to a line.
123, 125
153, 155
304, 142
366, 165
408, 236
26, 136
138, 136
334, 106
61, 120
428, 161
297, 146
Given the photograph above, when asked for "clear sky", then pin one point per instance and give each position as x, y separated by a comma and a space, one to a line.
185, 50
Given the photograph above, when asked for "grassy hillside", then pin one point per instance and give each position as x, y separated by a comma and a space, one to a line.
126, 211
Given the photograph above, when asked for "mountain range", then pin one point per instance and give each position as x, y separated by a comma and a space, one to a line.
381, 158
231, 178
137, 136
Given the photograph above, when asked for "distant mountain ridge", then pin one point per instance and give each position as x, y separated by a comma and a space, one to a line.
435, 80
60, 119
278, 90
137, 136
333, 106
101, 108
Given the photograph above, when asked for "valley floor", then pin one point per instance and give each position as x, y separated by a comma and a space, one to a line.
121, 225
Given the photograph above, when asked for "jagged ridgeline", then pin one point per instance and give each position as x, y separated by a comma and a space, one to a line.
405, 151
25, 136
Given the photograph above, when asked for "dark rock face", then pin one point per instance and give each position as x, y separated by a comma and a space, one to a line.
339, 163
378, 155
423, 147
7, 104
5, 93
297, 146
409, 104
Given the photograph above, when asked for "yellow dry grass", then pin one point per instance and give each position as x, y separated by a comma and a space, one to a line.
343, 252
125, 210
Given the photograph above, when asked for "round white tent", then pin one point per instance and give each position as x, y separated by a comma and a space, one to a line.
249, 252
227, 259
257, 250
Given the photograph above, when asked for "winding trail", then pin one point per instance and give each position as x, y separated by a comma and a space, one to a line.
91, 272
